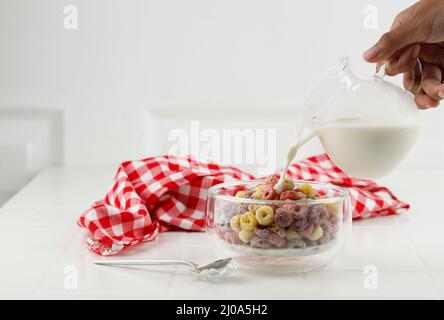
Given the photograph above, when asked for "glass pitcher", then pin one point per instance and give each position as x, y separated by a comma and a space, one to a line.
366, 126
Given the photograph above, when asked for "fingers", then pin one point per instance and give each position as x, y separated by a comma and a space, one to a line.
391, 42
404, 61
432, 53
431, 81
428, 88
423, 101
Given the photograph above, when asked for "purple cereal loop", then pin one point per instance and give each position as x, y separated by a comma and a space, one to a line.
242, 208
307, 231
301, 212
260, 243
283, 218
322, 211
262, 233
315, 213
299, 225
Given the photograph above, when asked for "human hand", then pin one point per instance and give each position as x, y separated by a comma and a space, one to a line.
415, 43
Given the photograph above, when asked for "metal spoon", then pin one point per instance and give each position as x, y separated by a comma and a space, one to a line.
209, 271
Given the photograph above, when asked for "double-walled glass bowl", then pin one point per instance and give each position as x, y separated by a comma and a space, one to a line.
304, 245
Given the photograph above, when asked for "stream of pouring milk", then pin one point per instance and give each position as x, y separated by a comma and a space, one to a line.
359, 148
290, 156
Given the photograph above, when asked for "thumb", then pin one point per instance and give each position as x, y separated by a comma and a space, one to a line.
391, 42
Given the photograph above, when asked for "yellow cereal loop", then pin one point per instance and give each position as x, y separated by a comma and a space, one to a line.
235, 223
246, 235
307, 189
248, 221
259, 187
259, 192
316, 234
258, 195
333, 207
265, 215
240, 194
292, 235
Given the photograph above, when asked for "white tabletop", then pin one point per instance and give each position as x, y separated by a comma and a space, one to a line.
43, 254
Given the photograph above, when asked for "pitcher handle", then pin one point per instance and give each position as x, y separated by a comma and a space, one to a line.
414, 86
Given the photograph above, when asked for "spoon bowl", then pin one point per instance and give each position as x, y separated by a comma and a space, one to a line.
218, 264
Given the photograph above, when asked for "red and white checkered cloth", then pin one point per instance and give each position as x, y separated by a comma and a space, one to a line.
169, 193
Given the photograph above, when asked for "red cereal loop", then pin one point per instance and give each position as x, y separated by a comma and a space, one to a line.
269, 193
289, 195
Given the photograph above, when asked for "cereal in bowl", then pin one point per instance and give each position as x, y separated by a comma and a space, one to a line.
292, 218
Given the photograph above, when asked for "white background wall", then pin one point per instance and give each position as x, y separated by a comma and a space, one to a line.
180, 55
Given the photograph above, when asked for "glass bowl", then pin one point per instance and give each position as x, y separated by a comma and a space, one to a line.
317, 230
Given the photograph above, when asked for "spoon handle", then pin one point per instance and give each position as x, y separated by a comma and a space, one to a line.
145, 262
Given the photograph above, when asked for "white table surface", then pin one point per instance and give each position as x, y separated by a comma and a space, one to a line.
40, 245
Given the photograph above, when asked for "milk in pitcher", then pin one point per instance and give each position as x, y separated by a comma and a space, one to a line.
361, 149
366, 150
